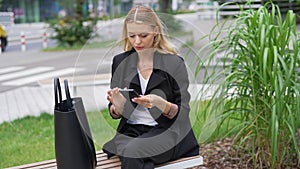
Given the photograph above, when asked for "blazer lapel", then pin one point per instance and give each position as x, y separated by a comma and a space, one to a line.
155, 80
132, 78
131, 71
157, 76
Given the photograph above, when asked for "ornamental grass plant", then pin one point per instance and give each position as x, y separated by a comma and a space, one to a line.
257, 101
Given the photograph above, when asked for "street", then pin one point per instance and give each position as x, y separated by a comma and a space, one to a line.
27, 68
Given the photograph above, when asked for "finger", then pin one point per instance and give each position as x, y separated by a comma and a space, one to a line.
115, 91
138, 101
148, 105
141, 99
109, 92
109, 98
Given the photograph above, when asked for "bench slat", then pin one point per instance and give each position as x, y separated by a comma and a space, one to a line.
114, 163
110, 165
50, 165
108, 161
182, 163
34, 164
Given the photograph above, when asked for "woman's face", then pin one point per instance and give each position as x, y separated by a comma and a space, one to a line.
141, 36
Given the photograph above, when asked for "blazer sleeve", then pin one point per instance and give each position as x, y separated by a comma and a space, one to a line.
182, 96
116, 79
112, 83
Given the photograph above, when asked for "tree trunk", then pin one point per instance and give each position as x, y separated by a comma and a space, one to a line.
79, 9
165, 5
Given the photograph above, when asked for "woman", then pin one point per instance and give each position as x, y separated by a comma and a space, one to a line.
155, 126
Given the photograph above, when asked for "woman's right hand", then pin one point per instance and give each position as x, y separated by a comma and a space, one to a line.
117, 99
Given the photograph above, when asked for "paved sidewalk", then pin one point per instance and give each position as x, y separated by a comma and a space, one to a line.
34, 100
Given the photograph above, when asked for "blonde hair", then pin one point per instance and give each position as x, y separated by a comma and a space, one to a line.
145, 15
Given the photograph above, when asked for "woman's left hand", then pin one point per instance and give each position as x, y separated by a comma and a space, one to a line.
150, 101
146, 101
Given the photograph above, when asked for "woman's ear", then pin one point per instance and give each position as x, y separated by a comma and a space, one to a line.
156, 30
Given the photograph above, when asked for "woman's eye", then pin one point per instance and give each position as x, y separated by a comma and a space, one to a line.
131, 36
140, 35
144, 35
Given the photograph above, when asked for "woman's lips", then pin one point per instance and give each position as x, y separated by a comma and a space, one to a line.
138, 48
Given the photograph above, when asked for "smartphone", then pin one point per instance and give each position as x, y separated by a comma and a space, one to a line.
131, 92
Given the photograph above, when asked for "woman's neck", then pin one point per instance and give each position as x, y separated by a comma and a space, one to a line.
145, 63
146, 53
145, 57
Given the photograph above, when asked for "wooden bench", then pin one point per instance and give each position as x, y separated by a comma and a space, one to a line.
114, 163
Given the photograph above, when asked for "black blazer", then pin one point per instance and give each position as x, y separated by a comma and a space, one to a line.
169, 80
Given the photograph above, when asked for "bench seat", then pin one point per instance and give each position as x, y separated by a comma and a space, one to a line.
114, 163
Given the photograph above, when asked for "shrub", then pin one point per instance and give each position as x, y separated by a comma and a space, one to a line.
72, 31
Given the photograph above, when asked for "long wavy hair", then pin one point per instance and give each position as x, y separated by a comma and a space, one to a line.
145, 15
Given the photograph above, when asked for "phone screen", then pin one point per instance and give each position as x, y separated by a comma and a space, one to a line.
131, 92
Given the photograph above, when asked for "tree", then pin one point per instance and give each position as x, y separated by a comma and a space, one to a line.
74, 28
73, 7
165, 6
79, 5
68, 6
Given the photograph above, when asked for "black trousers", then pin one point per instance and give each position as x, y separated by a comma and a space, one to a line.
139, 149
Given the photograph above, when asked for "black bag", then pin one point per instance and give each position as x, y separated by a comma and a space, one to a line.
74, 146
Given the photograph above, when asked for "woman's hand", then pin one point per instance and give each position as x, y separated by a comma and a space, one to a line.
118, 101
152, 100
169, 109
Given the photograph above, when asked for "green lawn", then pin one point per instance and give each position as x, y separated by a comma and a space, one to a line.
26, 140
90, 45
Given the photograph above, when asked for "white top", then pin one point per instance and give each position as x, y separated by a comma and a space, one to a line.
141, 115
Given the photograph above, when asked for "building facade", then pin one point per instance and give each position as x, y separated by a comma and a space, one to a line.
28, 11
